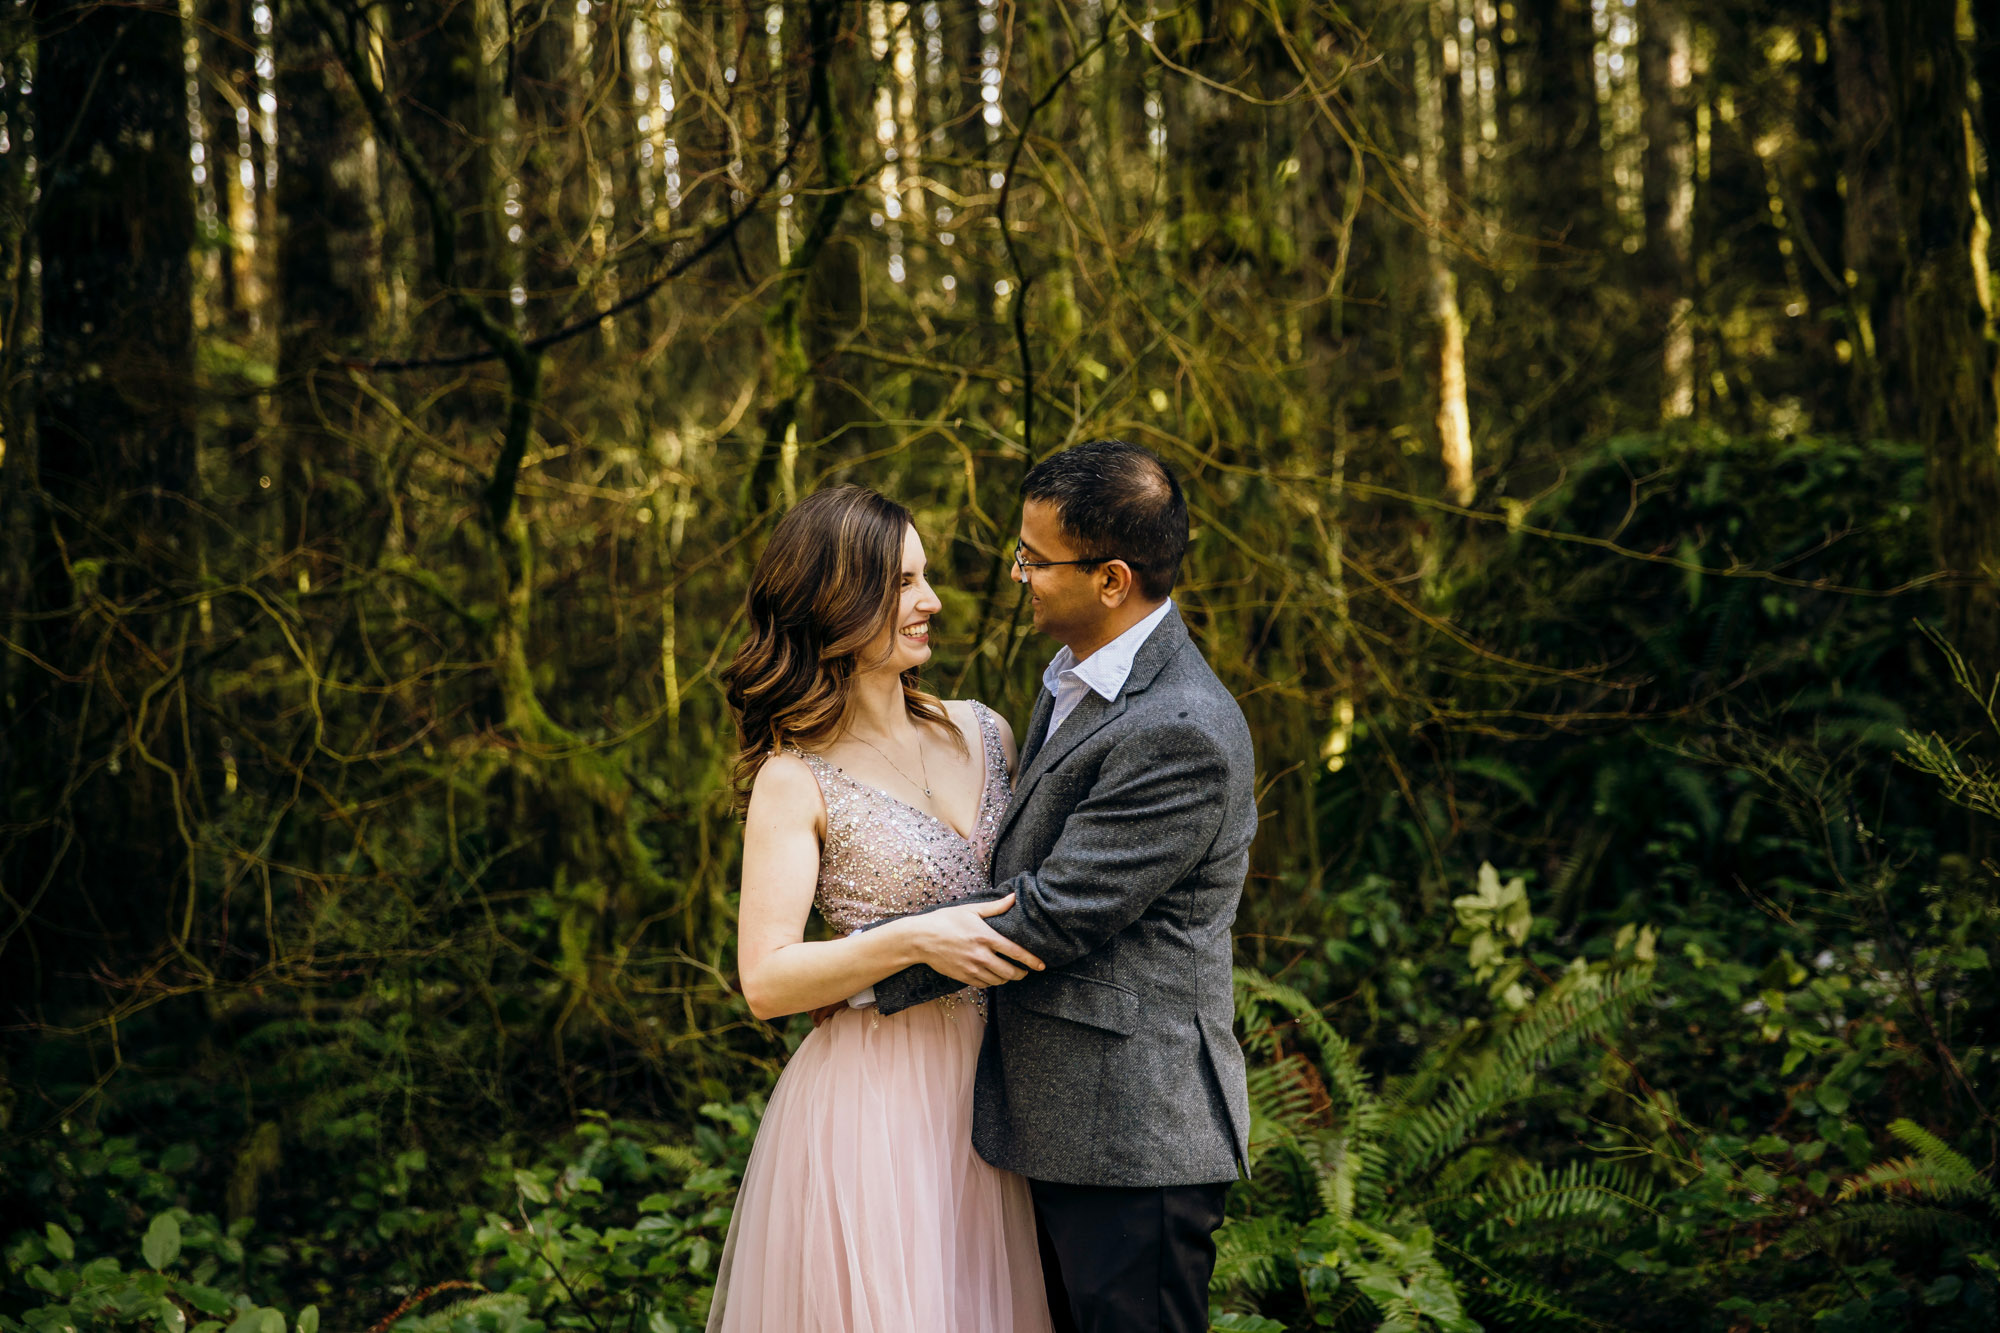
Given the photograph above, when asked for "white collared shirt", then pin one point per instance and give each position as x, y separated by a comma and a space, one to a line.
1104, 671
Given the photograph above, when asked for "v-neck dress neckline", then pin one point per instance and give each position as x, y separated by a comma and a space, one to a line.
985, 784
883, 857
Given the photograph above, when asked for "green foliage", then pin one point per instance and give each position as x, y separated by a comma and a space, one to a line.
1493, 922
626, 1233
189, 1283
621, 1226
1394, 1200
1580, 1007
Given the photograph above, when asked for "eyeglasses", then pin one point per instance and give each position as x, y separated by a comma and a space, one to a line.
1022, 562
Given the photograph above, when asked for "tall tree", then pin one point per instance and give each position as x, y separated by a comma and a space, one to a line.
1559, 198
114, 475
18, 518
1454, 420
1950, 359
1666, 63
448, 102
556, 182
329, 266
1871, 243
228, 49
1922, 296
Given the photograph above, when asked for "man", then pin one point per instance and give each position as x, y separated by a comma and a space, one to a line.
1112, 1080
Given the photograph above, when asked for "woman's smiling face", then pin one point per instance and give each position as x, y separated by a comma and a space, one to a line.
906, 640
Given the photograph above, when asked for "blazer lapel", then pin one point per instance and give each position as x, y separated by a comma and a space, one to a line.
1038, 728
1092, 712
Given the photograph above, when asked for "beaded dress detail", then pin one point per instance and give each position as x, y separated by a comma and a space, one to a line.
863, 1207
883, 857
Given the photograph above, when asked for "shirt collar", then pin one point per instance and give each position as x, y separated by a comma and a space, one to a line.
1107, 669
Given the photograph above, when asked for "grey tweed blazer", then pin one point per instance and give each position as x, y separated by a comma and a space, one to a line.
1127, 841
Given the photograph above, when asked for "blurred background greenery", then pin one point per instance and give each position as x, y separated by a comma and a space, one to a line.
1589, 413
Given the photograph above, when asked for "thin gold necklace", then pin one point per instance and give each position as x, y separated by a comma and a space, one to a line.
922, 766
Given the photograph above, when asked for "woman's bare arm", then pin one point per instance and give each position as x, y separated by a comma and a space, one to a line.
781, 972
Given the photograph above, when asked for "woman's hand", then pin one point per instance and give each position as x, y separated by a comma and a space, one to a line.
957, 942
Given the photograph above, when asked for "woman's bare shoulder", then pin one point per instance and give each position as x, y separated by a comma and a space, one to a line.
785, 789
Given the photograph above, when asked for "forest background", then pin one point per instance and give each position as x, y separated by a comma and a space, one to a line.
1589, 413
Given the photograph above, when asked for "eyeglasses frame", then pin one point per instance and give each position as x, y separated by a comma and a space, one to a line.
1021, 564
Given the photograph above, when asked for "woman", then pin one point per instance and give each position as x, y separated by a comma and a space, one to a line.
864, 1208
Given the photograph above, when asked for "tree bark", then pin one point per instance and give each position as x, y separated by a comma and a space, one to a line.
555, 186
1558, 199
1666, 59
1947, 363
1871, 248
229, 62
116, 232
1454, 421
18, 512
329, 269
448, 114
112, 487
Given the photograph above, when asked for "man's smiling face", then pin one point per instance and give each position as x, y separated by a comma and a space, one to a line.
1065, 599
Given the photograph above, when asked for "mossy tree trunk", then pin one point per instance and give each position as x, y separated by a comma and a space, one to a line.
112, 497
1915, 247
554, 204
835, 36
1558, 199
1453, 417
328, 275
1950, 355
1666, 62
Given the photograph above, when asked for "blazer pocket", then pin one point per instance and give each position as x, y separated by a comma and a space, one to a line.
1098, 1004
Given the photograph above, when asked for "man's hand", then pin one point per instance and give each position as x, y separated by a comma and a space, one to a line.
826, 1011
957, 942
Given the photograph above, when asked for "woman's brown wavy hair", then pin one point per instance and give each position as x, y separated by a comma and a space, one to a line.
828, 582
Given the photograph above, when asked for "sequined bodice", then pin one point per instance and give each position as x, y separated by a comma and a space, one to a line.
883, 857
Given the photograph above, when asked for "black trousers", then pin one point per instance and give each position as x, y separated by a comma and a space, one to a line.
1128, 1260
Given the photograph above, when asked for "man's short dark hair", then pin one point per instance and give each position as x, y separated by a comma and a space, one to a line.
1117, 501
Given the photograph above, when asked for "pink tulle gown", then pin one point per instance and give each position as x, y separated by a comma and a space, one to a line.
864, 1208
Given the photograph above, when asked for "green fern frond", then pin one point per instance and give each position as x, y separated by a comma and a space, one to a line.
1255, 991
1345, 1172
678, 1157
1282, 1092
1526, 1302
1251, 1252
1575, 1011
1260, 999
1568, 1203
1874, 1222
442, 1320
1937, 1171
1549, 1030
1914, 1177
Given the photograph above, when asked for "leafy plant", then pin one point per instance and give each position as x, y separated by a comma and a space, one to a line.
1932, 1196
621, 1228
180, 1289
1390, 1202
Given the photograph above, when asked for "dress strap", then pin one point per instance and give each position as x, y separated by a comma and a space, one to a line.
996, 785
